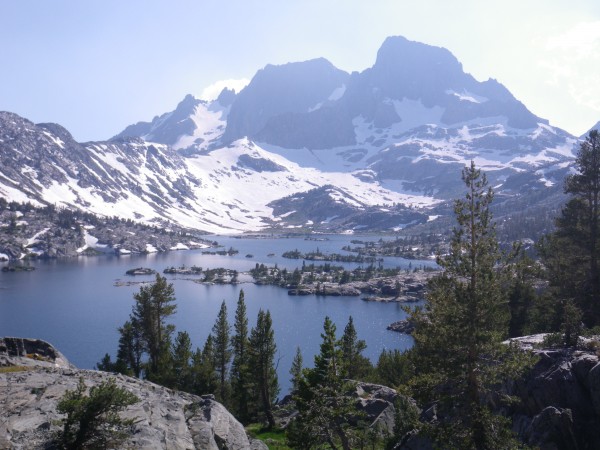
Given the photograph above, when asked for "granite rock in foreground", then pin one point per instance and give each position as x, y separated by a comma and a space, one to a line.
164, 418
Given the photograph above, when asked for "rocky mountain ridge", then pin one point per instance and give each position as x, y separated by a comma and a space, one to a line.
391, 140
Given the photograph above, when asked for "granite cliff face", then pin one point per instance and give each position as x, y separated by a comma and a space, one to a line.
164, 418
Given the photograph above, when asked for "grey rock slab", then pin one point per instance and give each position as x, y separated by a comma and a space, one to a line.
164, 418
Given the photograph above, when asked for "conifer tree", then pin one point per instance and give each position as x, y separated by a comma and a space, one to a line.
325, 403
182, 358
458, 337
296, 369
92, 420
393, 368
570, 254
222, 353
239, 366
353, 364
522, 297
203, 369
262, 351
131, 350
154, 304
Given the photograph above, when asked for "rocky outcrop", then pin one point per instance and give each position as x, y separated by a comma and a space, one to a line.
377, 403
163, 418
30, 353
560, 400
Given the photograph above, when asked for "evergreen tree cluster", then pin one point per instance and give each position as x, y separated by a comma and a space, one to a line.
324, 394
238, 368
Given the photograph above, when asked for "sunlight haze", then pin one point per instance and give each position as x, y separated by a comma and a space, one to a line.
96, 67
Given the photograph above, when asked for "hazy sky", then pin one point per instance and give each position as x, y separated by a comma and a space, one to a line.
96, 66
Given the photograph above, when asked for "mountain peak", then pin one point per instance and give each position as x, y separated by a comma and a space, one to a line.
226, 97
276, 90
408, 69
399, 51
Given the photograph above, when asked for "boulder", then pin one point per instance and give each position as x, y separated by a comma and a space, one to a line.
377, 403
552, 425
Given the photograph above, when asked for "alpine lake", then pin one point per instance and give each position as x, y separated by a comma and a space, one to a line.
77, 304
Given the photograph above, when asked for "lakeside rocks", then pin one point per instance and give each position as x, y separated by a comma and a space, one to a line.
164, 418
558, 400
16, 351
327, 289
402, 326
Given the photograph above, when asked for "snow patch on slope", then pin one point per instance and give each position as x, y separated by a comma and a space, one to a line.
245, 193
466, 96
210, 120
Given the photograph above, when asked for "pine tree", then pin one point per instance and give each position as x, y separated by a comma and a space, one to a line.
296, 370
182, 358
262, 351
325, 403
222, 353
154, 304
522, 297
353, 364
571, 253
92, 420
458, 338
393, 368
130, 351
239, 367
203, 369
327, 362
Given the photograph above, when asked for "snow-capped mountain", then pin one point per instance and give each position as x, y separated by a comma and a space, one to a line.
303, 145
195, 125
226, 190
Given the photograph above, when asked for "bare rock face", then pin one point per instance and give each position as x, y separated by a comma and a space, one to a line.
560, 401
164, 418
16, 351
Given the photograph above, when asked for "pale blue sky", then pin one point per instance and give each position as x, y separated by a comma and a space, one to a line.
96, 66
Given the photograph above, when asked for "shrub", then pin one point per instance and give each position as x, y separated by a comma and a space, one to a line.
92, 421
553, 340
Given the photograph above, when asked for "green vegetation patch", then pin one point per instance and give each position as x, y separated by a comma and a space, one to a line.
11, 369
274, 438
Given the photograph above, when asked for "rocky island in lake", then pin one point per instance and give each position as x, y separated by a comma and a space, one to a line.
378, 284
140, 271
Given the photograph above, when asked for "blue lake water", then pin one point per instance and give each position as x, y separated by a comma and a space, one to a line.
75, 305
